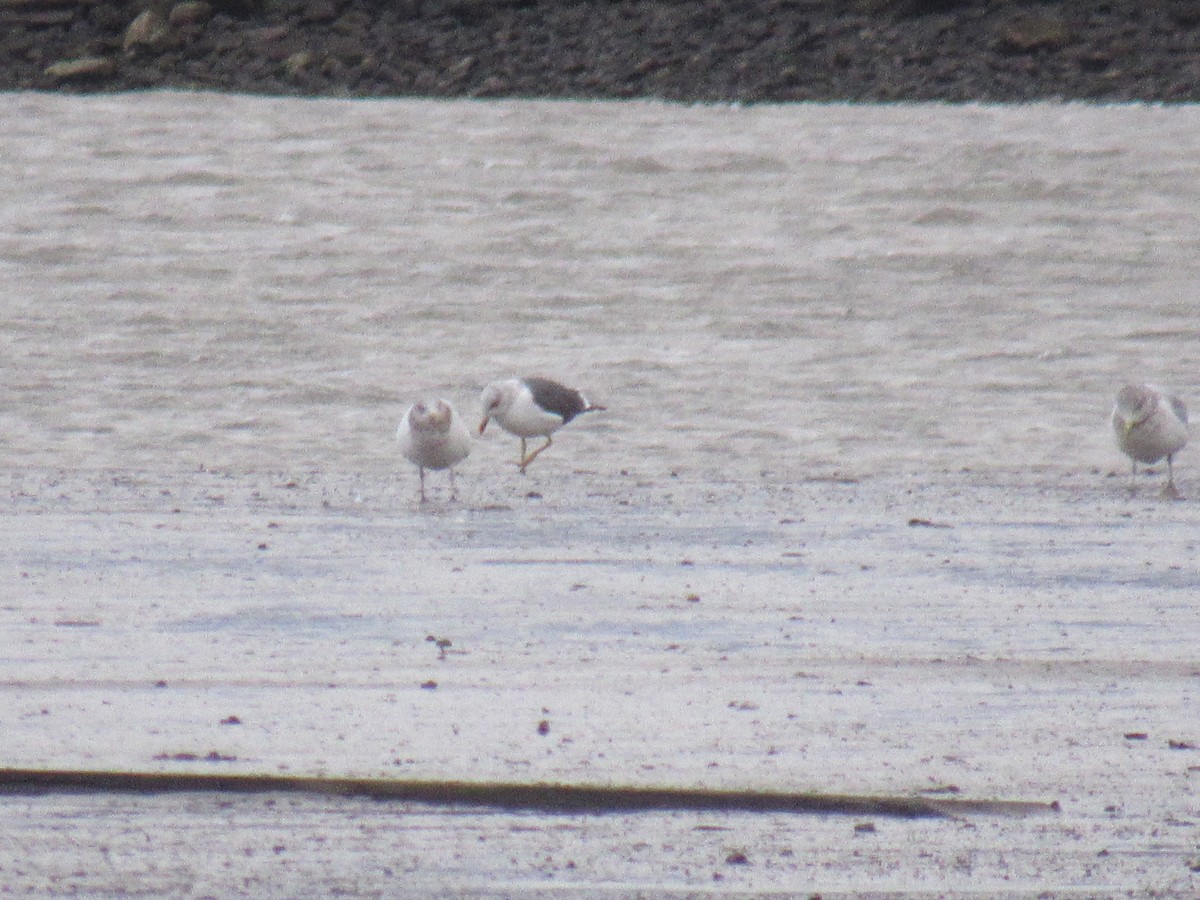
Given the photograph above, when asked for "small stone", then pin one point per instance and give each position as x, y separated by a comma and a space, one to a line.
495, 87
461, 69
190, 12
83, 68
268, 34
149, 29
1028, 32
319, 11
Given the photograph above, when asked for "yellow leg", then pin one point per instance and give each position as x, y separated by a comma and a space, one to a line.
526, 460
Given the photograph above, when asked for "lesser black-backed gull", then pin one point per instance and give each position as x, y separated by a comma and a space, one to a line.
531, 407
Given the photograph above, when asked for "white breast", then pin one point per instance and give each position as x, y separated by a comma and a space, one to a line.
434, 440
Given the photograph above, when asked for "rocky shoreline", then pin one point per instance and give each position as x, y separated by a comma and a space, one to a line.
679, 50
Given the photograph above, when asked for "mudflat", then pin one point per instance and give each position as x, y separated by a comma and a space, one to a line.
852, 522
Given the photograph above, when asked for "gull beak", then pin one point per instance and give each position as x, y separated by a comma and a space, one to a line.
483, 424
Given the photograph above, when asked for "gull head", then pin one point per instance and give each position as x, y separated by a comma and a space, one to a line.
430, 417
497, 397
1135, 404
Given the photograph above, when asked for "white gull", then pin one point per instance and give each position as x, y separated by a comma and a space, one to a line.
1150, 424
432, 436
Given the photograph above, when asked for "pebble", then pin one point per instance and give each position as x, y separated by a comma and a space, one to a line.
190, 12
149, 29
82, 68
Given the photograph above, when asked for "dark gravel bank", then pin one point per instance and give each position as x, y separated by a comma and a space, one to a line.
689, 50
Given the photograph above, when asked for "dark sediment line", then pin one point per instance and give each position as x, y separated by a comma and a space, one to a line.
544, 798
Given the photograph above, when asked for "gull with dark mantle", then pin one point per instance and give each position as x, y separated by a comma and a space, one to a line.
532, 407
432, 436
1150, 424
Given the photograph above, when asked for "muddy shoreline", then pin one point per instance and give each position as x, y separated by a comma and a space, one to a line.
692, 51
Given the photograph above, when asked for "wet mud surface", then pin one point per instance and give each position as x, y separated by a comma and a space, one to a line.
822, 643
853, 520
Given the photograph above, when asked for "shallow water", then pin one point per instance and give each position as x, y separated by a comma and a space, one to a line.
240, 282
853, 521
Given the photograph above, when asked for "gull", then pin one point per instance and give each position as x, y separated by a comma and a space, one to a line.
432, 436
529, 407
1150, 424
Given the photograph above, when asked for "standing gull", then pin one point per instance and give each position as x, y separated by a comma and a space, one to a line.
528, 407
1150, 424
432, 436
